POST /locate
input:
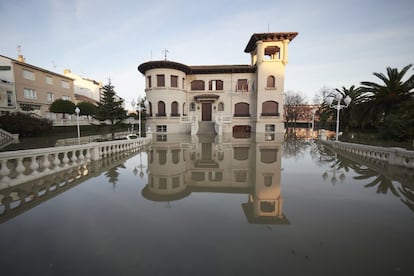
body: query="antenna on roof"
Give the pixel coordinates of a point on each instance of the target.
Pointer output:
(268, 28)
(165, 53)
(53, 64)
(19, 49)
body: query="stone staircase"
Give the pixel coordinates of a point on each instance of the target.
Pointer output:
(206, 128)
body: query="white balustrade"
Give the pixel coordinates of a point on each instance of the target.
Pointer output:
(17, 167)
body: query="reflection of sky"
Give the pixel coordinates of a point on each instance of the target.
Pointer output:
(97, 228)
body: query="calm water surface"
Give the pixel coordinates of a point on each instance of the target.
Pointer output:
(202, 206)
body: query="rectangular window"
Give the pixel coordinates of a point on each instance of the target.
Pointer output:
(242, 85)
(66, 98)
(30, 94)
(160, 80)
(149, 81)
(174, 81)
(270, 128)
(215, 85)
(10, 98)
(50, 97)
(28, 75)
(161, 128)
(49, 80)
(65, 84)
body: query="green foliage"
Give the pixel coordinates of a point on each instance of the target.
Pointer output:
(26, 125)
(62, 106)
(400, 124)
(110, 108)
(87, 108)
(384, 99)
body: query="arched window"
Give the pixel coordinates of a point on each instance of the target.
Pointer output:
(175, 156)
(241, 153)
(162, 157)
(174, 109)
(161, 109)
(220, 106)
(268, 156)
(271, 82)
(241, 110)
(270, 108)
(197, 85)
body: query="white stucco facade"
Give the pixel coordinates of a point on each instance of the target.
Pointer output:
(238, 98)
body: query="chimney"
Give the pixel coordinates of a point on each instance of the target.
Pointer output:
(66, 71)
(21, 58)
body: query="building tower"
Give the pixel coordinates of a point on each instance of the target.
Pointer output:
(269, 54)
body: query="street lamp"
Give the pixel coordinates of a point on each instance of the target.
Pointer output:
(77, 111)
(133, 108)
(139, 116)
(338, 97)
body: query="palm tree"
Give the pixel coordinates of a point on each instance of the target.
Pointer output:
(384, 98)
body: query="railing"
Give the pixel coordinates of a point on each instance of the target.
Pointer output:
(17, 166)
(7, 138)
(393, 156)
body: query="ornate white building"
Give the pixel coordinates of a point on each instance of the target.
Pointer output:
(236, 99)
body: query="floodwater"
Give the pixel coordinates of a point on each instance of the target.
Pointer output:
(209, 206)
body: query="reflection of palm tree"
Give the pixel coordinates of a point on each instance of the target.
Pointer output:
(409, 196)
(384, 183)
(113, 174)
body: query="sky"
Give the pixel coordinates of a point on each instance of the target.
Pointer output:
(340, 43)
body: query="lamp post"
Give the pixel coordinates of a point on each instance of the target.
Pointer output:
(133, 108)
(139, 116)
(77, 111)
(338, 97)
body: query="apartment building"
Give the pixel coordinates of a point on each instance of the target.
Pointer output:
(7, 88)
(35, 88)
(86, 90)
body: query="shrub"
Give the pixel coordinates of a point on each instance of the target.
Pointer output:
(26, 125)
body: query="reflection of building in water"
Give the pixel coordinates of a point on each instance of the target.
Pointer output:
(202, 164)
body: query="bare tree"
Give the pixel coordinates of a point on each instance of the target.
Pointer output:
(293, 101)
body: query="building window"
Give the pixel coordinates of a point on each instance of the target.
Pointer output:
(65, 84)
(160, 80)
(10, 98)
(161, 128)
(174, 81)
(221, 106)
(241, 110)
(49, 80)
(215, 85)
(183, 84)
(240, 176)
(50, 97)
(176, 182)
(241, 153)
(28, 75)
(162, 157)
(66, 98)
(192, 106)
(161, 109)
(149, 84)
(269, 128)
(197, 85)
(174, 109)
(242, 85)
(268, 156)
(267, 180)
(30, 94)
(175, 156)
(271, 82)
(270, 108)
(272, 52)
(150, 108)
(163, 183)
